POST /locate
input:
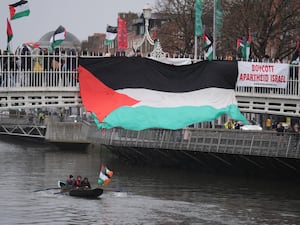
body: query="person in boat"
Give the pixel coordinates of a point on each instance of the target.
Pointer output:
(77, 182)
(85, 183)
(70, 181)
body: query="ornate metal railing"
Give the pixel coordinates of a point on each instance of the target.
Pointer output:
(51, 80)
(60, 70)
(27, 71)
(255, 143)
(224, 141)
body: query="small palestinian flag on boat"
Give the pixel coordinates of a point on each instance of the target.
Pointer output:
(104, 176)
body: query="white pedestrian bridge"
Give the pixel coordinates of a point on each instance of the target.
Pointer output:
(44, 81)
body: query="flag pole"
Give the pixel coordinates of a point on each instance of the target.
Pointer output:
(214, 31)
(196, 47)
(204, 56)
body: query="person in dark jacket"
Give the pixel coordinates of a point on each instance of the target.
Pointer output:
(85, 183)
(280, 129)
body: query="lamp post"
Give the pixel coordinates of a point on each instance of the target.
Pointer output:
(147, 15)
(157, 51)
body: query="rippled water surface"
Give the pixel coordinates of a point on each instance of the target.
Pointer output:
(136, 195)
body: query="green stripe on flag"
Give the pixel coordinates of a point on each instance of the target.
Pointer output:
(126, 117)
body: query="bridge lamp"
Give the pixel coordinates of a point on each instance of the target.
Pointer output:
(147, 10)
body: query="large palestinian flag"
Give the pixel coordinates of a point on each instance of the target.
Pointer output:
(139, 93)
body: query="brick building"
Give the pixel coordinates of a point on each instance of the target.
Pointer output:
(135, 35)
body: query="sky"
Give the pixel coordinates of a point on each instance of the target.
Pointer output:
(82, 18)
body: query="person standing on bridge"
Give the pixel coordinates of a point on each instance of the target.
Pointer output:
(229, 124)
(296, 134)
(41, 118)
(280, 129)
(268, 124)
(280, 132)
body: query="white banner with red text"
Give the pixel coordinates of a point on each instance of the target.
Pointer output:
(257, 74)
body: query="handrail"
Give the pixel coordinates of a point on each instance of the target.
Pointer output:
(256, 143)
(18, 72)
(219, 140)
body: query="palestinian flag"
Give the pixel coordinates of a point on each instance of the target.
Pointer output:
(245, 47)
(19, 9)
(104, 176)
(111, 34)
(208, 44)
(239, 43)
(9, 33)
(139, 93)
(58, 36)
(26, 48)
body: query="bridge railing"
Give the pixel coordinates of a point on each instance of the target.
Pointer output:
(45, 70)
(60, 70)
(223, 141)
(256, 143)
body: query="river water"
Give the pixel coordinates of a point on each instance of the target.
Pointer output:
(136, 195)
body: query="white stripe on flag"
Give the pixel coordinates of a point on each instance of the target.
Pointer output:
(215, 97)
(59, 36)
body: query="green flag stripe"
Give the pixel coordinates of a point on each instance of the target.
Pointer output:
(126, 117)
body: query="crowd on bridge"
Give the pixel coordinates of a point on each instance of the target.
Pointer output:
(281, 128)
(28, 59)
(19, 67)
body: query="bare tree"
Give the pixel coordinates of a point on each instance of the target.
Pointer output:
(177, 35)
(273, 24)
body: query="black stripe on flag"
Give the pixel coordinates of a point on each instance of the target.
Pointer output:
(111, 29)
(135, 72)
(59, 30)
(22, 2)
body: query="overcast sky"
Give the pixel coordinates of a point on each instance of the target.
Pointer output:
(83, 18)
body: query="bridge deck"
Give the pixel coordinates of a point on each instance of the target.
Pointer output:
(258, 143)
(238, 142)
(27, 87)
(24, 85)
